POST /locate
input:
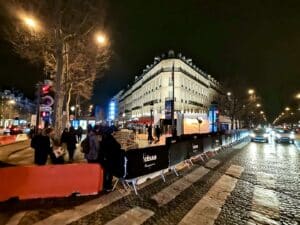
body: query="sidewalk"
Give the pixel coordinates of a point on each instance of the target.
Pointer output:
(142, 140)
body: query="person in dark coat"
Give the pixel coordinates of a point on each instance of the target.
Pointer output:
(150, 137)
(79, 133)
(71, 143)
(41, 145)
(64, 138)
(157, 132)
(109, 147)
(93, 152)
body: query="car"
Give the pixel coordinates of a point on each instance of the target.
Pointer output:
(15, 130)
(284, 136)
(4, 131)
(259, 135)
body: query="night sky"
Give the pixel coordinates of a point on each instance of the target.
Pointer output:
(251, 43)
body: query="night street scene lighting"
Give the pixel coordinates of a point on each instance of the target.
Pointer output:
(149, 112)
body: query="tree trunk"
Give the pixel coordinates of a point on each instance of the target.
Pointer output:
(68, 105)
(59, 92)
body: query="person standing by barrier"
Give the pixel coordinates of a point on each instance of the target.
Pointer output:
(79, 133)
(108, 149)
(64, 139)
(90, 146)
(54, 145)
(71, 143)
(40, 144)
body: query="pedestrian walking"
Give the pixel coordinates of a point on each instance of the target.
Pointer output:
(157, 133)
(79, 133)
(41, 145)
(109, 148)
(64, 139)
(71, 143)
(150, 137)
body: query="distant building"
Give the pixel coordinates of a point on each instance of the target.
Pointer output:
(13, 105)
(151, 93)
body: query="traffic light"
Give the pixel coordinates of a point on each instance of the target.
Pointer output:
(46, 101)
(45, 89)
(46, 98)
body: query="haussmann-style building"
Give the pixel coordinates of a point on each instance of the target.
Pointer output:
(149, 97)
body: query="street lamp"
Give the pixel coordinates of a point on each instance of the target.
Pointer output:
(298, 96)
(200, 120)
(100, 39)
(72, 108)
(11, 102)
(261, 112)
(258, 105)
(30, 22)
(251, 91)
(228, 93)
(287, 109)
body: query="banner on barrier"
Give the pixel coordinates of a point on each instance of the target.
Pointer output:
(146, 160)
(178, 150)
(196, 146)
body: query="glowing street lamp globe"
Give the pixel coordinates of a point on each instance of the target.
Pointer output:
(30, 22)
(251, 91)
(100, 39)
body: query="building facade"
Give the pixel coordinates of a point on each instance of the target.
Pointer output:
(13, 105)
(150, 94)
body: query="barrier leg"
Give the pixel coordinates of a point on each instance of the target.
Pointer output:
(162, 175)
(173, 168)
(133, 183)
(134, 186)
(201, 157)
(115, 184)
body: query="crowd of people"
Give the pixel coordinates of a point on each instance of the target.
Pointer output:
(98, 147)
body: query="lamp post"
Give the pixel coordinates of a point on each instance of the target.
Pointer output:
(174, 132)
(199, 122)
(151, 113)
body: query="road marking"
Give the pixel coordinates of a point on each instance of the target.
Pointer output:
(212, 163)
(134, 216)
(16, 218)
(265, 204)
(173, 190)
(241, 145)
(207, 210)
(234, 171)
(71, 215)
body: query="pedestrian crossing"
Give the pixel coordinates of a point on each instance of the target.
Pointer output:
(204, 211)
(173, 190)
(134, 216)
(265, 205)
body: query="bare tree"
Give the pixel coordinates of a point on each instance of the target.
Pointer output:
(60, 34)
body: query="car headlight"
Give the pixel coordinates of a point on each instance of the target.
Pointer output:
(252, 135)
(278, 135)
(292, 136)
(266, 135)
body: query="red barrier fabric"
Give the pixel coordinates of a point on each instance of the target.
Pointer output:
(28, 182)
(4, 140)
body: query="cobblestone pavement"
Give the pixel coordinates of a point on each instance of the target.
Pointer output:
(255, 184)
